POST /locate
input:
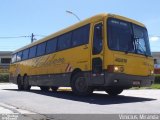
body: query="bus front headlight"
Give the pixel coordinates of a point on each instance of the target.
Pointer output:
(152, 72)
(115, 68)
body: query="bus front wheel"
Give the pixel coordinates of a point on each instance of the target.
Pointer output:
(79, 85)
(114, 91)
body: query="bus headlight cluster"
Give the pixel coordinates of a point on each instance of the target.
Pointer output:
(115, 68)
(118, 69)
(152, 72)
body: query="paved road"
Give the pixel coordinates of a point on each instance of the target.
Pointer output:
(65, 102)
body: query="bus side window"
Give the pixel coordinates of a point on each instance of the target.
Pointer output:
(41, 49)
(51, 46)
(80, 36)
(97, 39)
(19, 56)
(14, 58)
(64, 41)
(25, 54)
(32, 52)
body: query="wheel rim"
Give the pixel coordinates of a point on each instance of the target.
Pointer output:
(80, 84)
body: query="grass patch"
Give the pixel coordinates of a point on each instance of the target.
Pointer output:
(4, 78)
(157, 79)
(155, 86)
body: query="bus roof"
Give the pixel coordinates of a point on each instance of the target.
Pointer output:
(79, 24)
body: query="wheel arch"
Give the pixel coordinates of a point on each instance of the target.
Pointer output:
(75, 71)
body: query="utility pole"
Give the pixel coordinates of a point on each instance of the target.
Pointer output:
(32, 37)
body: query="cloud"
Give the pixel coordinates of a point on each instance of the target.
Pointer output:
(154, 38)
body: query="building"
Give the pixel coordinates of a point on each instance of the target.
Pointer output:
(5, 59)
(156, 56)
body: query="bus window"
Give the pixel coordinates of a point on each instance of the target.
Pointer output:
(25, 54)
(80, 36)
(32, 52)
(19, 56)
(64, 41)
(119, 35)
(41, 49)
(141, 40)
(14, 58)
(97, 40)
(51, 45)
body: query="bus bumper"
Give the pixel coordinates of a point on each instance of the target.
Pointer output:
(127, 81)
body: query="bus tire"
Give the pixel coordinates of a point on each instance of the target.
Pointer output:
(44, 88)
(79, 85)
(54, 89)
(26, 83)
(114, 91)
(20, 83)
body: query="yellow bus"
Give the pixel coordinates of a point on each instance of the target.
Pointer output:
(105, 52)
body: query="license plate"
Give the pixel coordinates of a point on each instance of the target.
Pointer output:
(136, 82)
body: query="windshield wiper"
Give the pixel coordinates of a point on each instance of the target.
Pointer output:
(136, 39)
(132, 47)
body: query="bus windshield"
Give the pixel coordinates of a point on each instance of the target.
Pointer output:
(126, 37)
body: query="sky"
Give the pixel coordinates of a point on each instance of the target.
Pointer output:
(44, 17)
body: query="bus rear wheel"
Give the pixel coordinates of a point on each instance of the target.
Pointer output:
(26, 83)
(79, 85)
(44, 88)
(20, 83)
(114, 91)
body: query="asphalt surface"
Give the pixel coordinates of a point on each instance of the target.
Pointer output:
(65, 102)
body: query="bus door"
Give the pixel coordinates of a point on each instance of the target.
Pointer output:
(97, 76)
